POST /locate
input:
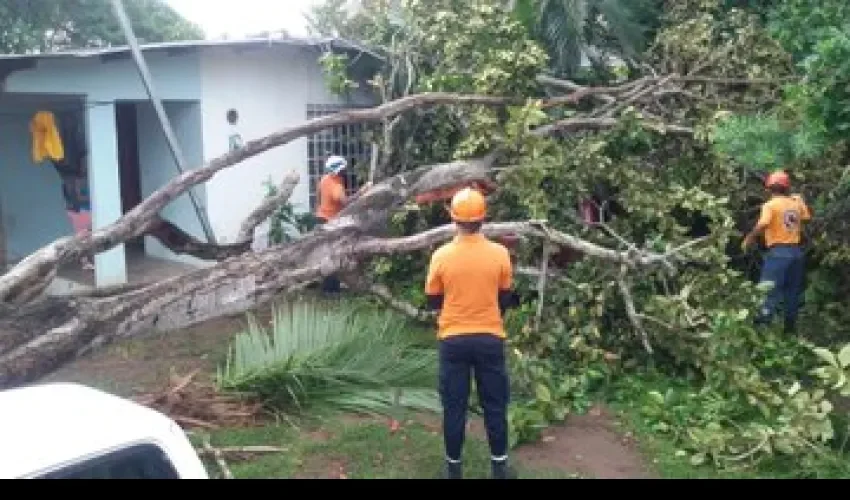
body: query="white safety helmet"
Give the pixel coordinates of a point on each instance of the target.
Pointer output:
(335, 164)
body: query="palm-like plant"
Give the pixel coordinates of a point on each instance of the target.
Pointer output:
(335, 356)
(572, 30)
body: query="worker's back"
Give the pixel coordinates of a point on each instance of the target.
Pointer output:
(784, 216)
(470, 271)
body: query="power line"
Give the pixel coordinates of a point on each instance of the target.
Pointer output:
(173, 145)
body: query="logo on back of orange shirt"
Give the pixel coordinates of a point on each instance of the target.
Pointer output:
(791, 219)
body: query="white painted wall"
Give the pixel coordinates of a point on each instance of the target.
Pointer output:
(270, 87)
(157, 167)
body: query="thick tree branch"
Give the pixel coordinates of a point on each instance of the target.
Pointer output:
(35, 270)
(37, 338)
(183, 243)
(633, 258)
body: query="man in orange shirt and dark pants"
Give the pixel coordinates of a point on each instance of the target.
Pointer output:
(469, 282)
(781, 221)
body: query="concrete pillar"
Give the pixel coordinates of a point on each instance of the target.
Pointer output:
(105, 189)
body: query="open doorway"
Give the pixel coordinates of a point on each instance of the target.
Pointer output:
(128, 161)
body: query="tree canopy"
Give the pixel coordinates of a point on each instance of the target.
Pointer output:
(629, 186)
(42, 26)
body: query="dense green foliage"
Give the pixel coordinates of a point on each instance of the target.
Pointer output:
(28, 26)
(774, 96)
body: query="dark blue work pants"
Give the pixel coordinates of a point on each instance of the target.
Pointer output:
(484, 356)
(330, 284)
(784, 266)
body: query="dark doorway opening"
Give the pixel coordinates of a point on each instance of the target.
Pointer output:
(128, 163)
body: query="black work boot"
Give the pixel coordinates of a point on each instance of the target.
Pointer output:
(452, 470)
(501, 470)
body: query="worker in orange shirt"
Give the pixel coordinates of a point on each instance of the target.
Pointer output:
(781, 221)
(332, 199)
(469, 282)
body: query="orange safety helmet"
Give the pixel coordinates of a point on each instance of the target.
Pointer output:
(468, 205)
(778, 178)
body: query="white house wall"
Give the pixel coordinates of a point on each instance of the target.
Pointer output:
(157, 167)
(101, 82)
(270, 88)
(175, 77)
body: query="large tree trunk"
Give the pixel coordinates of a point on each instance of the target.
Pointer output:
(39, 336)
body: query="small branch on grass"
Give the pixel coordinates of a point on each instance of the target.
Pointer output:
(193, 422)
(242, 450)
(219, 458)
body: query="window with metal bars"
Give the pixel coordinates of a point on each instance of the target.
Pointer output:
(348, 141)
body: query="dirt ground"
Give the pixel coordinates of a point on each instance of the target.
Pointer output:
(588, 445)
(144, 364)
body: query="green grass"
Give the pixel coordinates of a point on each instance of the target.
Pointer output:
(360, 448)
(663, 452)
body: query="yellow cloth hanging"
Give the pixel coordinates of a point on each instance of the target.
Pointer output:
(46, 141)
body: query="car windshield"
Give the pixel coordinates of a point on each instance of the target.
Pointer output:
(144, 461)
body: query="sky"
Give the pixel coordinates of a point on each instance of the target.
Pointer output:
(242, 17)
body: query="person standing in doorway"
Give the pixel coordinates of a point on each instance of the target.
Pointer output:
(470, 283)
(75, 191)
(781, 221)
(68, 158)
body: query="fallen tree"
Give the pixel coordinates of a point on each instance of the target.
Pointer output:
(38, 334)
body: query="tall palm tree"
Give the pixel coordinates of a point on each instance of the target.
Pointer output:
(573, 30)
